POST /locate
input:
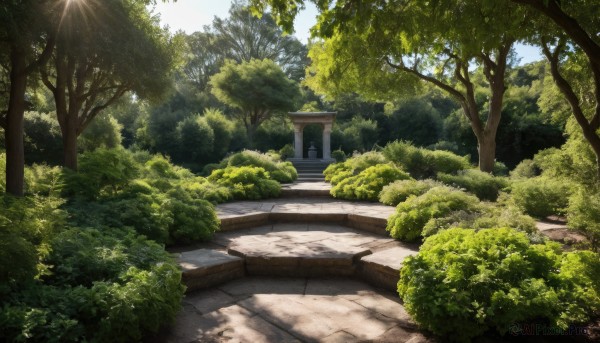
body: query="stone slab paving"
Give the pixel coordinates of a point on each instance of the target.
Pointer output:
(306, 189)
(292, 310)
(558, 231)
(302, 249)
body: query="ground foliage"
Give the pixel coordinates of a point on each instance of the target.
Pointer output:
(465, 282)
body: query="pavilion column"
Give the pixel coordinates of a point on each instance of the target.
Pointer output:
(298, 140)
(327, 141)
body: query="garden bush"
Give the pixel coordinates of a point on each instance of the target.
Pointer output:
(421, 214)
(41, 179)
(464, 282)
(485, 186)
(421, 163)
(193, 219)
(524, 170)
(18, 260)
(368, 183)
(398, 191)
(584, 215)
(336, 172)
(199, 188)
(283, 172)
(541, 196)
(287, 151)
(108, 285)
(333, 170)
(102, 171)
(338, 155)
(251, 183)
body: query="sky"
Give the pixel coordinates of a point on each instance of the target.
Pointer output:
(192, 15)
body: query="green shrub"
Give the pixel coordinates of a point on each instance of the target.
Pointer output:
(500, 169)
(360, 162)
(465, 282)
(422, 163)
(338, 155)
(159, 166)
(484, 185)
(335, 169)
(193, 219)
(427, 210)
(524, 170)
(209, 168)
(35, 218)
(102, 172)
(179, 215)
(41, 179)
(368, 183)
(287, 151)
(541, 196)
(200, 188)
(246, 182)
(584, 214)
(504, 215)
(106, 286)
(399, 191)
(336, 172)
(279, 171)
(18, 260)
(146, 213)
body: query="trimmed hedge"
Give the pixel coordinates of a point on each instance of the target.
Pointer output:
(464, 282)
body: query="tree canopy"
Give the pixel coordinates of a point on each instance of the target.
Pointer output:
(256, 89)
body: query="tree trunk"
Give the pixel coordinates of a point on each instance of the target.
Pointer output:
(250, 131)
(15, 153)
(486, 147)
(69, 136)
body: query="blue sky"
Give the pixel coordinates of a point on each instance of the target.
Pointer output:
(192, 15)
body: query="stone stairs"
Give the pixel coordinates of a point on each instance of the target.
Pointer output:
(306, 235)
(310, 170)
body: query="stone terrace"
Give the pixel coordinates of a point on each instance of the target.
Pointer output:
(304, 267)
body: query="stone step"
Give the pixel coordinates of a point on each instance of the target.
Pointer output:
(301, 250)
(381, 268)
(311, 179)
(203, 268)
(311, 175)
(306, 249)
(310, 171)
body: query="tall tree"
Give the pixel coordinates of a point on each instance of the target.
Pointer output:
(103, 50)
(22, 50)
(257, 89)
(437, 42)
(243, 37)
(572, 47)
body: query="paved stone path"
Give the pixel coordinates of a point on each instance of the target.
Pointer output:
(256, 309)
